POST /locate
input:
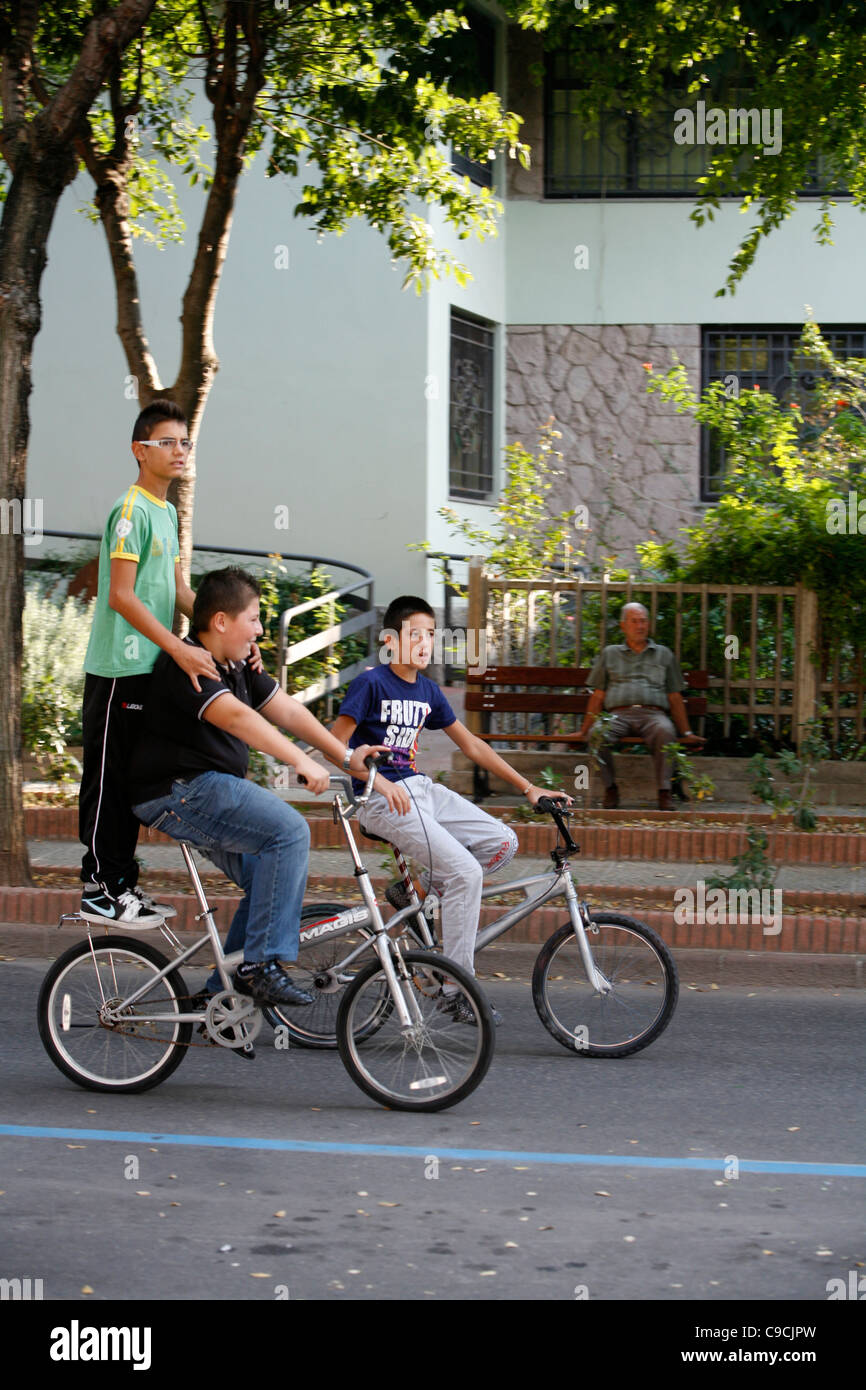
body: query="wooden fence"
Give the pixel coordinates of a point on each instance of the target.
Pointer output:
(760, 643)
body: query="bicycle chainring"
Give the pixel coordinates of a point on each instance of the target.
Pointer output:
(225, 1012)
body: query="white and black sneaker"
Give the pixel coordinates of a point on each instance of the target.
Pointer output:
(164, 909)
(98, 905)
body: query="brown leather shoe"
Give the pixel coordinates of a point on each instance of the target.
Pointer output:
(611, 798)
(666, 801)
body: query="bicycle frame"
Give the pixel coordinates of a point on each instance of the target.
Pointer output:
(558, 884)
(370, 922)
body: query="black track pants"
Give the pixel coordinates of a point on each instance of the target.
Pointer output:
(113, 719)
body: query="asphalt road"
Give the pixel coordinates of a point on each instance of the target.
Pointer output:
(741, 1074)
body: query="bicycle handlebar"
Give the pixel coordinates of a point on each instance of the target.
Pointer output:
(372, 762)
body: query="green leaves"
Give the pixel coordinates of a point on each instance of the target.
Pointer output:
(791, 464)
(527, 540)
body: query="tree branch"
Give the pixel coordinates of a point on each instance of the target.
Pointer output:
(110, 175)
(15, 75)
(110, 33)
(198, 356)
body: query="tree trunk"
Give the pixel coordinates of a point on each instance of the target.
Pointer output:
(27, 218)
(42, 158)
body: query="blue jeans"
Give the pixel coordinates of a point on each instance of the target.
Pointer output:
(258, 841)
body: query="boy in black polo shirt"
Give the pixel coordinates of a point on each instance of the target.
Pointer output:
(188, 778)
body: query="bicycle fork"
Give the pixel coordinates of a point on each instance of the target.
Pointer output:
(576, 913)
(382, 943)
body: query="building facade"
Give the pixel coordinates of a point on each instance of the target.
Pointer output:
(358, 410)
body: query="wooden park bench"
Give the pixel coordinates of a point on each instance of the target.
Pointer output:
(552, 691)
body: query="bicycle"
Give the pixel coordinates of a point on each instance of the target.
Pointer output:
(104, 1027)
(603, 985)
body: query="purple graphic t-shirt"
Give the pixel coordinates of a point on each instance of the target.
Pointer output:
(392, 711)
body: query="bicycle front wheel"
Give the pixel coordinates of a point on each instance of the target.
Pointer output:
(444, 1052)
(129, 1053)
(644, 987)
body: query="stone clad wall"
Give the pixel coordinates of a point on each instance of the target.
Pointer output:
(627, 455)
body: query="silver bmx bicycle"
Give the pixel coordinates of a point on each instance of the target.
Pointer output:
(413, 1029)
(603, 985)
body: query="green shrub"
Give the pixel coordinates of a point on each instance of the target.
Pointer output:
(55, 632)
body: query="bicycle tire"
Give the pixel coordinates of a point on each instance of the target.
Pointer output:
(623, 1022)
(411, 1082)
(315, 1026)
(69, 1023)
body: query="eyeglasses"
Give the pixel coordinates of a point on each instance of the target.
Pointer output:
(167, 444)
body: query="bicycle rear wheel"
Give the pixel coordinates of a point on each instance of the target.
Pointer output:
(132, 1053)
(437, 1061)
(638, 966)
(318, 972)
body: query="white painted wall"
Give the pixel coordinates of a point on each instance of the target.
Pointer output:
(648, 263)
(318, 403)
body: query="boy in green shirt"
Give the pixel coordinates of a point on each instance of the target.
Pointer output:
(140, 585)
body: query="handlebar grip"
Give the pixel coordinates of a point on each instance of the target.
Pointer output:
(551, 806)
(302, 781)
(378, 759)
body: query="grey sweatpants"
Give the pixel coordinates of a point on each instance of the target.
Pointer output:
(456, 843)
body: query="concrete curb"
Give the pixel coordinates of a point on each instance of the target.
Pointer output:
(698, 969)
(800, 931)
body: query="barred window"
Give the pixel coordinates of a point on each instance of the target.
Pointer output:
(471, 407)
(746, 357)
(635, 156)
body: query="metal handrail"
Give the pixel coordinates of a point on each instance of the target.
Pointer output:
(365, 618)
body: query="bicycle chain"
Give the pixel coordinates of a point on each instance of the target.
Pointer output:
(162, 1042)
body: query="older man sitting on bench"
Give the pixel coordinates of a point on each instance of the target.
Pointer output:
(640, 683)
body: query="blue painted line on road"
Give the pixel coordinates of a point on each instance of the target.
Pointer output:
(321, 1146)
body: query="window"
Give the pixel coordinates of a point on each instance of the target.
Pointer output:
(471, 408)
(632, 156)
(747, 357)
(473, 59)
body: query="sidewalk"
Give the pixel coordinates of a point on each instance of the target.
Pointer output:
(817, 878)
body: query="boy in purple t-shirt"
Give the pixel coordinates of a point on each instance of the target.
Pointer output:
(459, 842)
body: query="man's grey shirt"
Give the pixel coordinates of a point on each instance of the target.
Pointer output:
(636, 678)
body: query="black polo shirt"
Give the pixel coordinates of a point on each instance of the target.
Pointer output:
(177, 741)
